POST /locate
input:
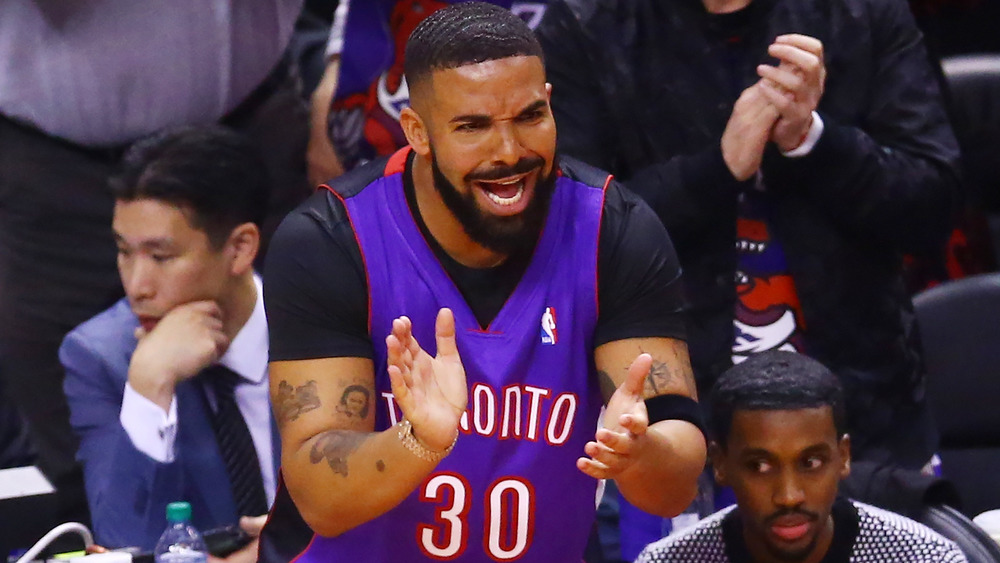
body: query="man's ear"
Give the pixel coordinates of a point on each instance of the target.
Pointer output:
(717, 454)
(242, 246)
(415, 130)
(844, 448)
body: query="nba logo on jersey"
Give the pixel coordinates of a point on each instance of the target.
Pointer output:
(549, 335)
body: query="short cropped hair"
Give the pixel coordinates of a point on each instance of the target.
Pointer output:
(775, 380)
(466, 33)
(216, 173)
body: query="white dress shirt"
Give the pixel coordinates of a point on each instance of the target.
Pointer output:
(153, 431)
(812, 137)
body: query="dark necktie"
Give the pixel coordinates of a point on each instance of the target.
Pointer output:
(235, 443)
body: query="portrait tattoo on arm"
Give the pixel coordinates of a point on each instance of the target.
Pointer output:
(335, 446)
(291, 402)
(354, 402)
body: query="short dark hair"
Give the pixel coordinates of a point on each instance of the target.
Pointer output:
(775, 380)
(466, 33)
(215, 172)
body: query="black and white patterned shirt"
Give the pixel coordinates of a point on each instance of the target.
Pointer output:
(862, 534)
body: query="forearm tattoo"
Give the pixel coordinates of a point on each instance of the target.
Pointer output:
(658, 380)
(291, 402)
(335, 446)
(672, 377)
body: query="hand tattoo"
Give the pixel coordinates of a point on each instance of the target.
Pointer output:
(291, 402)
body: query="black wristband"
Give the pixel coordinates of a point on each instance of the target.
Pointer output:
(675, 407)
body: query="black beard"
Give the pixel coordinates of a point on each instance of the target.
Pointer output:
(504, 235)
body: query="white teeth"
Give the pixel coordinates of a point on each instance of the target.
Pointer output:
(507, 200)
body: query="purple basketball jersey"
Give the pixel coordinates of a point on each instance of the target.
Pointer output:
(510, 490)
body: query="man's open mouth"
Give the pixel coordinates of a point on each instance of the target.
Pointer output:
(504, 193)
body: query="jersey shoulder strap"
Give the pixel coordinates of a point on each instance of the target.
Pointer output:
(580, 171)
(351, 183)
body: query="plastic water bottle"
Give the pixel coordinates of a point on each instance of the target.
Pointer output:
(180, 542)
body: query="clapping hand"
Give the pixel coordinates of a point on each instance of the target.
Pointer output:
(794, 87)
(431, 391)
(621, 442)
(747, 132)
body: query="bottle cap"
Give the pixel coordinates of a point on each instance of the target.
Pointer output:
(178, 512)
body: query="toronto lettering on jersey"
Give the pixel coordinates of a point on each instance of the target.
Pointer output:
(516, 412)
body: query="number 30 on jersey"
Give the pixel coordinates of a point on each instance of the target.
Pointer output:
(509, 517)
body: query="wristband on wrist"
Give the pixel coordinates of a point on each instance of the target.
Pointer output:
(675, 407)
(418, 448)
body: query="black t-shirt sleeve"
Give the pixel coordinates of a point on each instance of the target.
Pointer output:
(315, 289)
(639, 285)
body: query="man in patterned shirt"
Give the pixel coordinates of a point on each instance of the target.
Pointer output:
(780, 444)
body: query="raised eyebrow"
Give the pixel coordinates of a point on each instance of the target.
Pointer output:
(472, 119)
(480, 119)
(533, 107)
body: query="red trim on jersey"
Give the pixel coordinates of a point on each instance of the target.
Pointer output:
(483, 330)
(397, 162)
(306, 550)
(597, 268)
(361, 249)
(607, 182)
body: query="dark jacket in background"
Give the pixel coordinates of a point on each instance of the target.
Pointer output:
(16, 449)
(644, 88)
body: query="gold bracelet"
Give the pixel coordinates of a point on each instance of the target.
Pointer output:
(412, 443)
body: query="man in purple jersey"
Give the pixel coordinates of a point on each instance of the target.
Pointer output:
(538, 291)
